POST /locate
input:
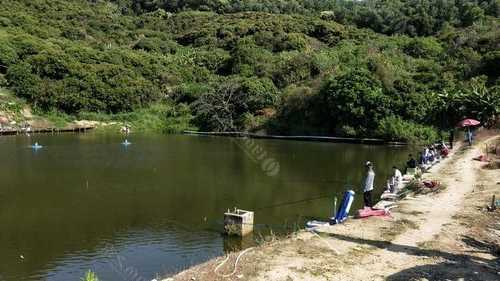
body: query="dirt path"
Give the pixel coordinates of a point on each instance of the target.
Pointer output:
(437, 211)
(428, 238)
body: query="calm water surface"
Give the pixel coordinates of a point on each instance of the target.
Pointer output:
(155, 207)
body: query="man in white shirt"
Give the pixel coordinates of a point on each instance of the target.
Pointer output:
(427, 155)
(395, 184)
(368, 184)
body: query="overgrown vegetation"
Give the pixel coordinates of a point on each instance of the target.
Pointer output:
(11, 107)
(290, 67)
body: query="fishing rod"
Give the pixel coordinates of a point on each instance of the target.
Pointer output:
(292, 202)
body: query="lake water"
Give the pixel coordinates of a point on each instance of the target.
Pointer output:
(156, 206)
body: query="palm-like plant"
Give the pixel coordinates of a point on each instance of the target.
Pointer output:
(481, 102)
(472, 99)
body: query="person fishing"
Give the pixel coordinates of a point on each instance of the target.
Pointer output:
(411, 164)
(395, 183)
(429, 158)
(451, 138)
(368, 184)
(421, 159)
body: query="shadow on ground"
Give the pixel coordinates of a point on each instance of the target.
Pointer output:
(455, 267)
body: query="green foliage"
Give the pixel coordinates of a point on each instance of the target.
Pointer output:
(477, 100)
(490, 62)
(412, 17)
(11, 105)
(301, 112)
(293, 68)
(90, 276)
(60, 120)
(8, 55)
(156, 45)
(161, 117)
(397, 129)
(249, 60)
(424, 48)
(308, 67)
(357, 100)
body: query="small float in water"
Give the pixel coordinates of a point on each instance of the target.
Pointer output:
(36, 146)
(126, 143)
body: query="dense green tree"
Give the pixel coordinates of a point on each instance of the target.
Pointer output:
(357, 100)
(355, 68)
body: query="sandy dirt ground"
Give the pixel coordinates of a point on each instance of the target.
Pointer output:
(444, 235)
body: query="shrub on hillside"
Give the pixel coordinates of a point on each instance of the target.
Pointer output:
(396, 129)
(294, 67)
(156, 45)
(423, 48)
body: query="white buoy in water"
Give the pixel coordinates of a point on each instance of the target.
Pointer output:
(126, 143)
(36, 146)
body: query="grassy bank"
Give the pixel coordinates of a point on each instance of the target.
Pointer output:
(158, 118)
(161, 117)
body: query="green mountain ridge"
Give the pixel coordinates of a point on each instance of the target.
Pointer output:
(285, 71)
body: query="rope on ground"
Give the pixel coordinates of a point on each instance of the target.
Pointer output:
(326, 242)
(235, 264)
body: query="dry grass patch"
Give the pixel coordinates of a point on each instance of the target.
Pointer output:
(396, 228)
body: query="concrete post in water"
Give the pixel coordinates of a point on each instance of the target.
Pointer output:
(238, 222)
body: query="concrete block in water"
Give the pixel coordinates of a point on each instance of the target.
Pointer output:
(238, 222)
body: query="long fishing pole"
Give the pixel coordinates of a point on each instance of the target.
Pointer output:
(292, 202)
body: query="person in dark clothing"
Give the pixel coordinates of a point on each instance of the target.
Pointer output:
(451, 139)
(367, 198)
(412, 163)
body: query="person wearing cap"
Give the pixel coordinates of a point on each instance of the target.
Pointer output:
(368, 184)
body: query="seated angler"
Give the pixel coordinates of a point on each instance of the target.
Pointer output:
(411, 165)
(395, 183)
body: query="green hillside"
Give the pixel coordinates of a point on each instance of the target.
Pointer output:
(391, 69)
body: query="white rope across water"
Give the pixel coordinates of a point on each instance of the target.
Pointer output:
(235, 264)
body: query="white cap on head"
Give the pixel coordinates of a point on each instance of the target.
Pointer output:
(368, 164)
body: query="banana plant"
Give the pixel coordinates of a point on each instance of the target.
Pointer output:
(482, 102)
